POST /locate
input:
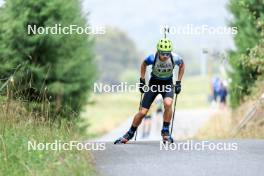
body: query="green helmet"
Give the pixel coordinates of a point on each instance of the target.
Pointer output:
(164, 45)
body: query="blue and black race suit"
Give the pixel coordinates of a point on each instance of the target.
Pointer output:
(161, 77)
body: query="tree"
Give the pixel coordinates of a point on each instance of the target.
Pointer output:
(116, 54)
(59, 66)
(249, 18)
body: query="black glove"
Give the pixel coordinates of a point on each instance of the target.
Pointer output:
(178, 87)
(141, 85)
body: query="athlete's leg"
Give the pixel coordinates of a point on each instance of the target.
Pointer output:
(136, 122)
(167, 102)
(146, 103)
(168, 109)
(139, 116)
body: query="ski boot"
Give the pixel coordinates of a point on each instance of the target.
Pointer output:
(123, 140)
(166, 136)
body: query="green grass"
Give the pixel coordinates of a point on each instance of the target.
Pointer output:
(195, 91)
(106, 111)
(18, 127)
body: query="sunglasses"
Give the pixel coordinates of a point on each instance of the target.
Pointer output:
(165, 54)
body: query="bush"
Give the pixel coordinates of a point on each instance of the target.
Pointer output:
(55, 68)
(246, 60)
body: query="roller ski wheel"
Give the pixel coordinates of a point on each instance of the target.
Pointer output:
(167, 139)
(121, 141)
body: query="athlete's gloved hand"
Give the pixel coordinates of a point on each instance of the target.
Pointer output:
(141, 85)
(178, 87)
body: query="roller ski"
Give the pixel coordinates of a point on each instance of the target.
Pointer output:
(125, 138)
(166, 137)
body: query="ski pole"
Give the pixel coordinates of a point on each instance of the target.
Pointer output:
(139, 109)
(173, 112)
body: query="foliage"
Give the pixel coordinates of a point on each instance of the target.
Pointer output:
(247, 58)
(58, 68)
(116, 54)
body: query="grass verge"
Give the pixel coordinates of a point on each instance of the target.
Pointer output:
(17, 127)
(223, 123)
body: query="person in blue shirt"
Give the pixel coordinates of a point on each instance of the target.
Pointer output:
(216, 88)
(161, 82)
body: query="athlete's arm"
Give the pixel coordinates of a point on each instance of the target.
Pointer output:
(147, 61)
(143, 70)
(181, 71)
(179, 61)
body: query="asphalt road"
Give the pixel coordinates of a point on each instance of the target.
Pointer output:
(146, 158)
(186, 125)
